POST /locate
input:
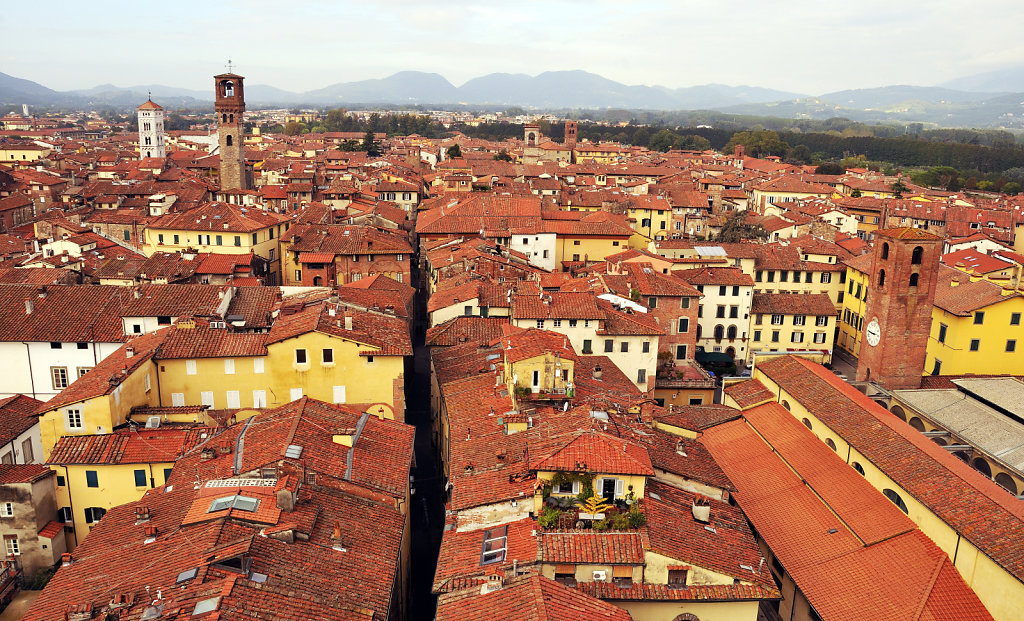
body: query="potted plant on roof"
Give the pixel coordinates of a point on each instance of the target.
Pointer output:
(593, 508)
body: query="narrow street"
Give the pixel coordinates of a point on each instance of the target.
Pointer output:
(427, 507)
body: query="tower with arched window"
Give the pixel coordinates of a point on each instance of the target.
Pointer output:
(230, 108)
(898, 318)
(151, 130)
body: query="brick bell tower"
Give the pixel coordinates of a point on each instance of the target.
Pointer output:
(898, 318)
(230, 108)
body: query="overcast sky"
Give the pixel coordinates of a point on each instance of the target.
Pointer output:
(796, 45)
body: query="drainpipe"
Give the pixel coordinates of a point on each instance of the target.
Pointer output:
(31, 376)
(71, 502)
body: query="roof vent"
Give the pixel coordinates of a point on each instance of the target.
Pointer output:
(152, 422)
(336, 538)
(494, 583)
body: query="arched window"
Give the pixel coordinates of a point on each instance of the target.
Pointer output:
(730, 351)
(915, 257)
(224, 118)
(916, 423)
(859, 468)
(982, 466)
(231, 118)
(896, 500)
(831, 444)
(885, 251)
(806, 422)
(229, 88)
(719, 332)
(881, 278)
(229, 140)
(898, 411)
(1006, 482)
(698, 330)
(913, 280)
(731, 333)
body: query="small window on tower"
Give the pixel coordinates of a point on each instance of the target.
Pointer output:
(228, 141)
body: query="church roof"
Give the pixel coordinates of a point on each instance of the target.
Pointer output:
(149, 105)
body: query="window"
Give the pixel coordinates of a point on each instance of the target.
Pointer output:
(300, 356)
(27, 454)
(257, 365)
(175, 239)
(177, 399)
(140, 478)
(942, 332)
(641, 376)
(796, 277)
(295, 394)
(881, 278)
(797, 337)
(327, 356)
(298, 274)
(190, 367)
(736, 290)
(540, 324)
(573, 322)
(1011, 345)
(238, 240)
(259, 398)
(646, 347)
(775, 336)
(825, 277)
(819, 337)
(896, 499)
(59, 377)
(11, 543)
(234, 399)
(730, 333)
(975, 344)
(7, 509)
(74, 420)
(684, 324)
(243, 503)
(915, 257)
(913, 280)
(256, 238)
(680, 352)
(720, 313)
(557, 323)
(229, 366)
(685, 303)
(1014, 319)
(56, 345)
(734, 312)
(338, 394)
(721, 289)
(587, 347)
(719, 332)
(565, 574)
(677, 577)
(652, 302)
(771, 276)
(783, 276)
(799, 320)
(609, 345)
(979, 318)
(567, 487)
(776, 320)
(757, 335)
(369, 360)
(624, 346)
(885, 251)
(204, 240)
(91, 478)
(937, 367)
(493, 549)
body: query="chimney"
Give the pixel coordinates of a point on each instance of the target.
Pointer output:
(597, 372)
(141, 513)
(129, 351)
(336, 538)
(225, 447)
(701, 509)
(29, 306)
(285, 500)
(208, 453)
(150, 530)
(65, 559)
(348, 322)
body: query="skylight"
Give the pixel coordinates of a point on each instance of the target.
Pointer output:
(494, 545)
(293, 451)
(188, 574)
(206, 605)
(243, 503)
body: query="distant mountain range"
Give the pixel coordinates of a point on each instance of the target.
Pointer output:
(994, 99)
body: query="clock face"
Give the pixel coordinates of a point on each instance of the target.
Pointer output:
(873, 332)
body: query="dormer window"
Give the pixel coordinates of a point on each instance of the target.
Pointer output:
(243, 503)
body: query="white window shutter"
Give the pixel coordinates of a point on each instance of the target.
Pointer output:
(339, 394)
(177, 399)
(598, 486)
(229, 366)
(206, 398)
(619, 485)
(257, 365)
(259, 398)
(234, 400)
(296, 394)
(190, 367)
(575, 487)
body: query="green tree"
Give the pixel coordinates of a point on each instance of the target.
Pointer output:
(829, 168)
(692, 142)
(898, 187)
(1013, 187)
(800, 153)
(349, 145)
(757, 143)
(293, 128)
(737, 229)
(454, 151)
(663, 140)
(370, 145)
(503, 156)
(855, 193)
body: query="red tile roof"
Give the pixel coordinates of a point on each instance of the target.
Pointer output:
(22, 473)
(526, 598)
(977, 508)
(589, 547)
(814, 304)
(17, 415)
(126, 446)
(598, 452)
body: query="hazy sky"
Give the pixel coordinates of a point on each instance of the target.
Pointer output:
(803, 46)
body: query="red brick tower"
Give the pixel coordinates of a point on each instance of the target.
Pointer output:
(904, 270)
(570, 134)
(230, 107)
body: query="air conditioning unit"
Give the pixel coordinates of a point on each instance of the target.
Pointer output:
(600, 576)
(152, 422)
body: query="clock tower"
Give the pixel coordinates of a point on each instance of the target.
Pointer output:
(904, 270)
